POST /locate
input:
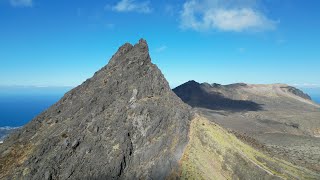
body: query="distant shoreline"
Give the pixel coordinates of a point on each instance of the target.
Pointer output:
(5, 131)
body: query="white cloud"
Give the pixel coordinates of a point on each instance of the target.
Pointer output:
(161, 49)
(204, 15)
(132, 6)
(21, 3)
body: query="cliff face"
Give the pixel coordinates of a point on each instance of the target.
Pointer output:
(123, 123)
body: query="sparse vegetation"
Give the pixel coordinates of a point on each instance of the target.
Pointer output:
(13, 157)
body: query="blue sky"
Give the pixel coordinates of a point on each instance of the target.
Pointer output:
(62, 43)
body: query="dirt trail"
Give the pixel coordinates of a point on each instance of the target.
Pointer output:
(261, 167)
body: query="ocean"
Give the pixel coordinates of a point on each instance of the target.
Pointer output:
(20, 104)
(316, 99)
(17, 110)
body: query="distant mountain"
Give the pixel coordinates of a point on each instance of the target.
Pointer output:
(278, 117)
(199, 95)
(237, 96)
(126, 123)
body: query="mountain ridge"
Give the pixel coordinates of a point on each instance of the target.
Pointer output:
(275, 87)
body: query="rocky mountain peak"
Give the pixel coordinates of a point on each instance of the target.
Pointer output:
(143, 44)
(137, 53)
(123, 123)
(123, 49)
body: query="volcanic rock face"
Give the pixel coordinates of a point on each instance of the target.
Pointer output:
(123, 123)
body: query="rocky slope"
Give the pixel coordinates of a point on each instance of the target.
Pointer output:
(123, 123)
(276, 118)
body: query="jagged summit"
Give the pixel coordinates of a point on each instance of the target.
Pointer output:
(123, 123)
(140, 48)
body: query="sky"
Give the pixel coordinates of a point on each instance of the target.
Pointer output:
(62, 43)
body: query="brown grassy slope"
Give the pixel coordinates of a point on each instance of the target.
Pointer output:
(214, 153)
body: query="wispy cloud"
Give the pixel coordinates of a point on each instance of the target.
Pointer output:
(232, 15)
(21, 3)
(132, 6)
(161, 48)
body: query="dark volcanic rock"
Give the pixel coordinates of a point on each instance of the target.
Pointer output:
(123, 123)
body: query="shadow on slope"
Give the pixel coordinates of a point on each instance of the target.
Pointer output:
(195, 95)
